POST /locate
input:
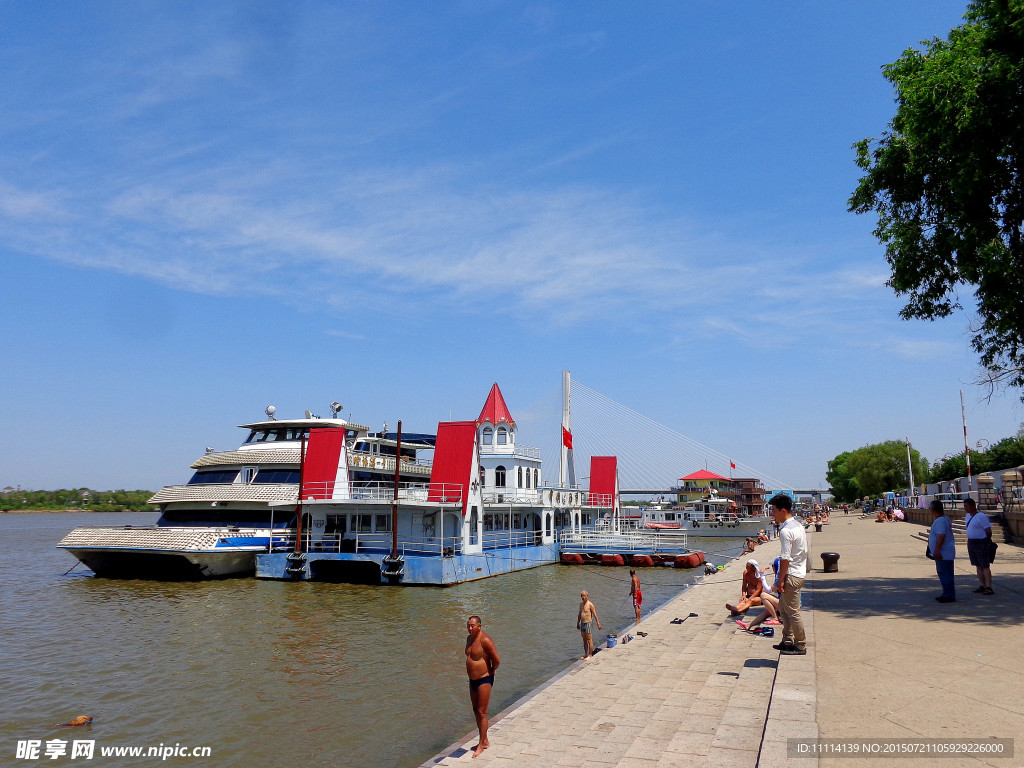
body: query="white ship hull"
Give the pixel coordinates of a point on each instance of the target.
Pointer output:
(166, 552)
(713, 529)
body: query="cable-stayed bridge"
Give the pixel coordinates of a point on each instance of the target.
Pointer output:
(651, 456)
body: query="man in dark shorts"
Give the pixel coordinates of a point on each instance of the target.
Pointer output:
(979, 538)
(481, 662)
(635, 593)
(585, 620)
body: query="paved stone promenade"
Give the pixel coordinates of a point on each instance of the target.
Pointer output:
(884, 661)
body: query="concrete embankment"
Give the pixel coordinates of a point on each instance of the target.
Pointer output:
(884, 661)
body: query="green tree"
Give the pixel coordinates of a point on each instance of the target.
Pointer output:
(946, 181)
(872, 469)
(840, 478)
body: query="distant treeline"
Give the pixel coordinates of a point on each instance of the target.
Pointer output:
(77, 498)
(1007, 453)
(873, 469)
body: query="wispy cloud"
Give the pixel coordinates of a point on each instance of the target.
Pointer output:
(564, 255)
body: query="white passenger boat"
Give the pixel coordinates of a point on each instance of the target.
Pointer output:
(230, 509)
(326, 499)
(712, 516)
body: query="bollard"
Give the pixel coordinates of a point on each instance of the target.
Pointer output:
(831, 561)
(817, 527)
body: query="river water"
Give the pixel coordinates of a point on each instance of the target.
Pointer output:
(274, 673)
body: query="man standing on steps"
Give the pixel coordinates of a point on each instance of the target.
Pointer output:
(790, 578)
(635, 592)
(585, 620)
(481, 662)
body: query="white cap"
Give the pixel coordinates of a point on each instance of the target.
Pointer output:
(752, 562)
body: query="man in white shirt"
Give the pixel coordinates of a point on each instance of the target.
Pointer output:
(791, 575)
(979, 538)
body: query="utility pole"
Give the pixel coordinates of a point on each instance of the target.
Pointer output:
(910, 468)
(967, 448)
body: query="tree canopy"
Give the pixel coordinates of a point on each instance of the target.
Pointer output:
(872, 469)
(76, 498)
(945, 181)
(1007, 453)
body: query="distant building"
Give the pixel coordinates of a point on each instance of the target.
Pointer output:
(750, 495)
(700, 484)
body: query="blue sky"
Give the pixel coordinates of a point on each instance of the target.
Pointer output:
(206, 208)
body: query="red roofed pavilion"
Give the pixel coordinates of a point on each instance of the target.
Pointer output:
(495, 411)
(699, 484)
(703, 474)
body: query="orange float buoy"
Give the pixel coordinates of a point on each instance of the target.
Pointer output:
(571, 558)
(612, 560)
(642, 561)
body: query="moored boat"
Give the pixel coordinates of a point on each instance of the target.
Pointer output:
(231, 508)
(712, 516)
(327, 499)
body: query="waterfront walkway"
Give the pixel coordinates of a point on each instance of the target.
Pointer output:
(884, 661)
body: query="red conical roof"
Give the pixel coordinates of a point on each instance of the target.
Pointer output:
(703, 474)
(495, 411)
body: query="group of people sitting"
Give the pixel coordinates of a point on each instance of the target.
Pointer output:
(889, 515)
(757, 590)
(763, 536)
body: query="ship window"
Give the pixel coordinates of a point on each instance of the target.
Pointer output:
(361, 523)
(499, 476)
(383, 522)
(527, 477)
(519, 477)
(214, 476)
(536, 478)
(502, 436)
(670, 515)
(488, 435)
(257, 436)
(277, 476)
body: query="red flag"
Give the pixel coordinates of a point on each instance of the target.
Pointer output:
(732, 464)
(566, 438)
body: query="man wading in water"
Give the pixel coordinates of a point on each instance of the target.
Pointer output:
(481, 662)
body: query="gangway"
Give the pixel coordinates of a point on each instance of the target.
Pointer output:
(622, 542)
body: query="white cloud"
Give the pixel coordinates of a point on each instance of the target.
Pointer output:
(559, 255)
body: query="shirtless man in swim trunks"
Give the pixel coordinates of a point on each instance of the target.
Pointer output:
(635, 593)
(585, 620)
(751, 589)
(481, 661)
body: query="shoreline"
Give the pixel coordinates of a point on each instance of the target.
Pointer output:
(459, 749)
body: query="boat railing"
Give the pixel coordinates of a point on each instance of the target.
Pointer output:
(510, 539)
(622, 541)
(367, 543)
(701, 516)
(375, 542)
(382, 490)
(494, 495)
(367, 460)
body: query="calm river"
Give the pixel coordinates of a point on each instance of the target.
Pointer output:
(272, 673)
